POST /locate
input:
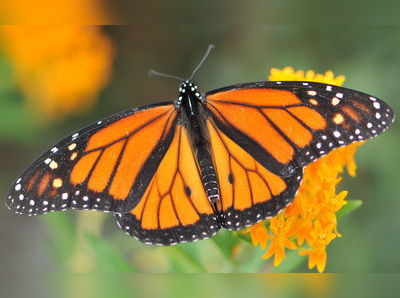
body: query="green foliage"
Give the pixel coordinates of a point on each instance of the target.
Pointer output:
(63, 236)
(107, 257)
(16, 122)
(184, 258)
(226, 252)
(351, 206)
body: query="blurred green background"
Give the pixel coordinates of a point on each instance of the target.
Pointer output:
(358, 39)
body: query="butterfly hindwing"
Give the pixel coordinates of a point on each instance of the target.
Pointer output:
(97, 167)
(174, 207)
(249, 192)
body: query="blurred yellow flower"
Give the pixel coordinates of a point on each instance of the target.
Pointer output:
(46, 12)
(60, 69)
(310, 223)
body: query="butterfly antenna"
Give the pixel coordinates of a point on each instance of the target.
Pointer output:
(209, 49)
(153, 73)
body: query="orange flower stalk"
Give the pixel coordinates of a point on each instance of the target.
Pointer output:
(310, 223)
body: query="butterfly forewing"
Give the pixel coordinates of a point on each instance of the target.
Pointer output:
(263, 134)
(297, 122)
(97, 167)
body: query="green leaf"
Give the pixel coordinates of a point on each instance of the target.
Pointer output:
(108, 259)
(349, 207)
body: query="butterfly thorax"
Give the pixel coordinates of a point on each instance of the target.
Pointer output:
(188, 97)
(190, 106)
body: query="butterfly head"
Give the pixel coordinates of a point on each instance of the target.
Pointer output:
(188, 93)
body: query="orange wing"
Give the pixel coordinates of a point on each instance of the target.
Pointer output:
(174, 207)
(264, 133)
(294, 123)
(249, 192)
(270, 119)
(103, 167)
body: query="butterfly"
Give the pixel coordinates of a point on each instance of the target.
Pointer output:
(179, 171)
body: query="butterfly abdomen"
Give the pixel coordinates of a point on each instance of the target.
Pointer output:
(205, 162)
(208, 176)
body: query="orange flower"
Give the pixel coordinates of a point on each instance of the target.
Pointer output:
(259, 235)
(310, 223)
(60, 69)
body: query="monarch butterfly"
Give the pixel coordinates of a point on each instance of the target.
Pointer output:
(179, 171)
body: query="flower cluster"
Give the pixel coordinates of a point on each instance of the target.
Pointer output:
(60, 69)
(310, 223)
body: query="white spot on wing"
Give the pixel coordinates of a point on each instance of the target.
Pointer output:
(335, 101)
(53, 165)
(312, 92)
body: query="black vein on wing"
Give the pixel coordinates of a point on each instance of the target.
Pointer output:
(128, 136)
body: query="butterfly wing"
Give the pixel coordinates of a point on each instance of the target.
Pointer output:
(249, 190)
(104, 166)
(174, 207)
(277, 128)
